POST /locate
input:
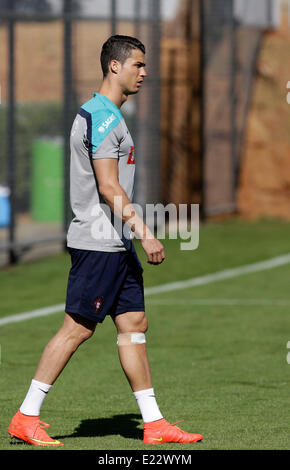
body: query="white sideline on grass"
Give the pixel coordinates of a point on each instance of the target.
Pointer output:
(171, 286)
(221, 302)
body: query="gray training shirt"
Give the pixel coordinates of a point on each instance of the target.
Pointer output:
(99, 131)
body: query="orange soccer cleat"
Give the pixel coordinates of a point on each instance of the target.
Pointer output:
(30, 429)
(159, 432)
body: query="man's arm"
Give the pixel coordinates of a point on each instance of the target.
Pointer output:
(106, 170)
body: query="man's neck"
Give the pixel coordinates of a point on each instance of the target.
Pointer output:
(112, 93)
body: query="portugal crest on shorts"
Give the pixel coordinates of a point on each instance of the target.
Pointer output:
(98, 303)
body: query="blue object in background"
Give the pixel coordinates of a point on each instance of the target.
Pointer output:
(4, 206)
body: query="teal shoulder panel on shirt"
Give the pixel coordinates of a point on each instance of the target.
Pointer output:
(105, 116)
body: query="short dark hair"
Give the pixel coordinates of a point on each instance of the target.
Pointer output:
(118, 48)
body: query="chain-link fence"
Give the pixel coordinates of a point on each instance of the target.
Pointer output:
(188, 122)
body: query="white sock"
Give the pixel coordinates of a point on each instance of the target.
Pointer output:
(148, 405)
(34, 398)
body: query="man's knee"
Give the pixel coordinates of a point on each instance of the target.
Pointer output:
(131, 322)
(84, 335)
(131, 328)
(139, 323)
(144, 325)
(77, 329)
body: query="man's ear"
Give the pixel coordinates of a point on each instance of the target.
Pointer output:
(114, 66)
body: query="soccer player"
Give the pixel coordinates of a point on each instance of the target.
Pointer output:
(106, 276)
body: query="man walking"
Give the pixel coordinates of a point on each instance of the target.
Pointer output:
(106, 275)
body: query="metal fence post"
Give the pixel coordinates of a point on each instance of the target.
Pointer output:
(202, 107)
(113, 17)
(11, 135)
(155, 15)
(135, 122)
(234, 68)
(67, 87)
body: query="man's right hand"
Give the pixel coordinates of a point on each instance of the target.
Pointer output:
(154, 250)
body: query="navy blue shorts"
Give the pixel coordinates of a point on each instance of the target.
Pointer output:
(102, 283)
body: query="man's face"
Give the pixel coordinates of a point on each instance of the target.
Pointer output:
(132, 73)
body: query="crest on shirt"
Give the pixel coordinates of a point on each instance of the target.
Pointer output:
(98, 303)
(131, 159)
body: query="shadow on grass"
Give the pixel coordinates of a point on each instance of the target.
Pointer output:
(120, 425)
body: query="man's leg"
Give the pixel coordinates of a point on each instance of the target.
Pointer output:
(74, 331)
(25, 424)
(133, 357)
(134, 361)
(135, 364)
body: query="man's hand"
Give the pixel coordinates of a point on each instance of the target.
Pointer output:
(154, 250)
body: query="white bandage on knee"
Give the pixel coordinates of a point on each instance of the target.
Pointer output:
(127, 339)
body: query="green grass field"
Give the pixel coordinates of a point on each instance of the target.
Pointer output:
(217, 352)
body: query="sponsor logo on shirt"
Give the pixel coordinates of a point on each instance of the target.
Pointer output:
(107, 123)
